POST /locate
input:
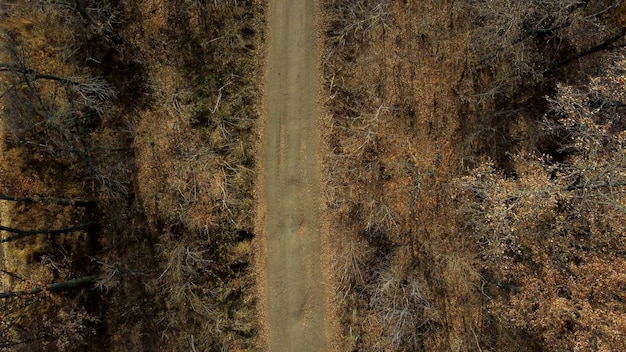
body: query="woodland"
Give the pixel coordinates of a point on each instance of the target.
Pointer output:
(474, 173)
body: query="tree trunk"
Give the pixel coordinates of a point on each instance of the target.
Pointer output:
(605, 45)
(57, 286)
(34, 74)
(42, 199)
(25, 233)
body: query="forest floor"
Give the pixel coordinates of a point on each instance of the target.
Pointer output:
(290, 219)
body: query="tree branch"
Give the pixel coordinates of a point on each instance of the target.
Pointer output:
(25, 233)
(36, 75)
(13, 275)
(606, 45)
(43, 199)
(57, 286)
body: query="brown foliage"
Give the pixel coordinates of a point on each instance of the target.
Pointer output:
(391, 131)
(418, 93)
(557, 229)
(194, 145)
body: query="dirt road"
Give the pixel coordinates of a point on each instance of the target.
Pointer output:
(291, 183)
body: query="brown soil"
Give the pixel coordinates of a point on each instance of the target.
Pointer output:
(290, 219)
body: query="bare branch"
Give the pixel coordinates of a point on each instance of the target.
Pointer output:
(57, 286)
(25, 233)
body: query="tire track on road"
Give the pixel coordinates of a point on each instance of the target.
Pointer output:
(290, 197)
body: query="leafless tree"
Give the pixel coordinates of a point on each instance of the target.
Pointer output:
(51, 111)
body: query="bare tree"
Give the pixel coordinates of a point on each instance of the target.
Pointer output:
(75, 202)
(56, 112)
(524, 41)
(22, 327)
(556, 229)
(50, 111)
(20, 233)
(56, 286)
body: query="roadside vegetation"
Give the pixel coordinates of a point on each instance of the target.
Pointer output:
(474, 174)
(127, 174)
(475, 167)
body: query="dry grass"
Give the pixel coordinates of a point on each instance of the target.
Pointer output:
(396, 131)
(194, 148)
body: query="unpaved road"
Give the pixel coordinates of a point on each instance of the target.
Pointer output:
(291, 183)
